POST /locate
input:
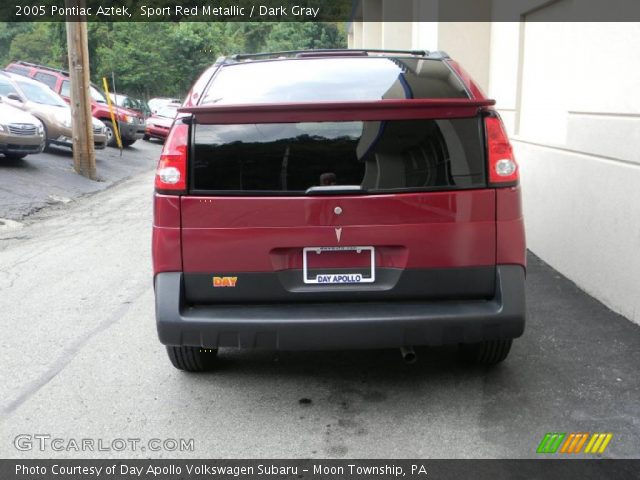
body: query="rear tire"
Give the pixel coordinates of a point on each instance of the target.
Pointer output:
(489, 352)
(193, 359)
(146, 137)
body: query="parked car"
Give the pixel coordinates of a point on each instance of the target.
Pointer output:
(155, 103)
(351, 199)
(130, 124)
(20, 132)
(136, 104)
(48, 107)
(158, 125)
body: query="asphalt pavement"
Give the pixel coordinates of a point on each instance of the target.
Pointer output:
(48, 179)
(80, 359)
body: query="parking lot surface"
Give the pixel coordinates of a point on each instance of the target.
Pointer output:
(47, 179)
(80, 359)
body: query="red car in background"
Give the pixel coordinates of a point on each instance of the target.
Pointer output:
(159, 124)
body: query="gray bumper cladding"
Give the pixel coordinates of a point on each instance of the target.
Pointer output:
(306, 326)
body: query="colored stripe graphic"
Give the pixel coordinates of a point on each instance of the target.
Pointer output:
(598, 443)
(581, 443)
(550, 442)
(572, 443)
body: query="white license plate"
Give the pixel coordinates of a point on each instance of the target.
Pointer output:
(358, 275)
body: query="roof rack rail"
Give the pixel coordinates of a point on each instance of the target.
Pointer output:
(439, 54)
(325, 52)
(44, 67)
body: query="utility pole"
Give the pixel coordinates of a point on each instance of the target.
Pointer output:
(84, 156)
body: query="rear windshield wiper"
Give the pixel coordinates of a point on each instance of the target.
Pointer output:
(334, 190)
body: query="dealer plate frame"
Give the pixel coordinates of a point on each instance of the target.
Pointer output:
(319, 250)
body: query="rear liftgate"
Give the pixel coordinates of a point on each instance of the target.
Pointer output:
(349, 201)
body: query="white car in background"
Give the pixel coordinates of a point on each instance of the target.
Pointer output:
(156, 103)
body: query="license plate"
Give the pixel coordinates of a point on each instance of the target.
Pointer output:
(324, 273)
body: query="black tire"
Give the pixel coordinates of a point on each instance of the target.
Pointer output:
(111, 136)
(146, 137)
(193, 359)
(46, 138)
(128, 143)
(489, 352)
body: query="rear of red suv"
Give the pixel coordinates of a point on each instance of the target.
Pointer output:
(332, 200)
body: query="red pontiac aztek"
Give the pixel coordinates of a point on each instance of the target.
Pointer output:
(333, 200)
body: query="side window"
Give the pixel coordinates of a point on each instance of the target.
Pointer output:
(46, 78)
(65, 89)
(6, 88)
(19, 70)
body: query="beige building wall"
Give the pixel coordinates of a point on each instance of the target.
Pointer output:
(569, 95)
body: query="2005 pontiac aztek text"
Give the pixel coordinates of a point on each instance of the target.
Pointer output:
(337, 199)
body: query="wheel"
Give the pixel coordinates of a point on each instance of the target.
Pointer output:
(489, 352)
(146, 137)
(192, 359)
(111, 136)
(128, 143)
(46, 138)
(14, 156)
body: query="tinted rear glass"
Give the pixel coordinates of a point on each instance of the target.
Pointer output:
(335, 79)
(46, 78)
(378, 156)
(24, 71)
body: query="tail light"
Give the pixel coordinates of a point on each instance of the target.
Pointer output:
(171, 175)
(503, 169)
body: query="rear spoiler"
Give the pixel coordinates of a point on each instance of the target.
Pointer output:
(405, 109)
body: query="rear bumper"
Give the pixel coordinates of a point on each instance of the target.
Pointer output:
(341, 325)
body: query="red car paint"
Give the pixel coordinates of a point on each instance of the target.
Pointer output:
(339, 111)
(156, 131)
(431, 224)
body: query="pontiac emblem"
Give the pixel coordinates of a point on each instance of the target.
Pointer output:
(338, 233)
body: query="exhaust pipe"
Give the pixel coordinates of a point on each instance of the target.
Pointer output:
(408, 355)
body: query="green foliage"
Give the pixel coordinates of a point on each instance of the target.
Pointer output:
(8, 31)
(161, 58)
(32, 42)
(307, 35)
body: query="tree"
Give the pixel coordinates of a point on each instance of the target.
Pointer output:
(304, 35)
(39, 45)
(162, 58)
(8, 31)
(138, 55)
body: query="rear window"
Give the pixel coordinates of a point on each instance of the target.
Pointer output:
(46, 78)
(24, 71)
(377, 156)
(336, 79)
